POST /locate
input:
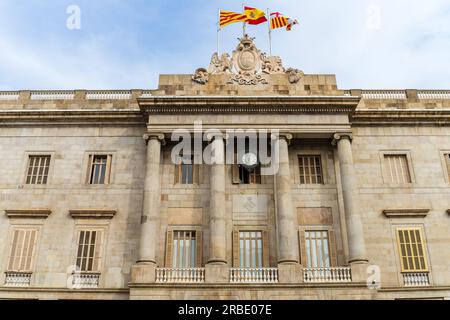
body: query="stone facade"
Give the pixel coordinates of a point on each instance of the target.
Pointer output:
(351, 130)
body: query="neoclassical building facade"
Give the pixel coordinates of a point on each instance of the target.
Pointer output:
(93, 205)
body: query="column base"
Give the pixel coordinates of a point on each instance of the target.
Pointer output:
(290, 273)
(359, 271)
(143, 272)
(217, 273)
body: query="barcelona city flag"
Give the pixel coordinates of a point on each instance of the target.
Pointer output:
(278, 20)
(255, 16)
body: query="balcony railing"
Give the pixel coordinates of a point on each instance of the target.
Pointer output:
(189, 275)
(85, 280)
(52, 95)
(416, 279)
(255, 275)
(9, 95)
(433, 94)
(109, 95)
(327, 275)
(384, 94)
(18, 279)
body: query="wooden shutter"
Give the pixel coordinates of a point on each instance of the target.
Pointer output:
(169, 249)
(97, 251)
(235, 170)
(236, 263)
(266, 249)
(196, 174)
(302, 240)
(447, 161)
(199, 249)
(332, 244)
(22, 250)
(89, 169)
(177, 175)
(108, 169)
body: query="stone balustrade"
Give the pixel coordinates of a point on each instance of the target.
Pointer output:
(433, 94)
(9, 95)
(52, 95)
(109, 95)
(18, 279)
(85, 280)
(327, 275)
(188, 275)
(416, 279)
(254, 275)
(384, 94)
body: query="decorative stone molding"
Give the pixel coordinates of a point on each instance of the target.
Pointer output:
(156, 136)
(201, 76)
(28, 214)
(294, 75)
(92, 214)
(339, 136)
(406, 213)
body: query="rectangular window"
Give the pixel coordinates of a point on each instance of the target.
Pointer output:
(310, 169)
(397, 169)
(184, 254)
(99, 169)
(38, 168)
(412, 250)
(317, 245)
(249, 176)
(89, 250)
(23, 246)
(187, 172)
(250, 249)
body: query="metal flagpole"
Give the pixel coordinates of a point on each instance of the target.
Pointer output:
(218, 33)
(270, 31)
(245, 23)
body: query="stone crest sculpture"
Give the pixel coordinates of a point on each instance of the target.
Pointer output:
(247, 66)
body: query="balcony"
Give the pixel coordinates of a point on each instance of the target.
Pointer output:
(85, 280)
(327, 275)
(189, 275)
(416, 279)
(18, 279)
(254, 276)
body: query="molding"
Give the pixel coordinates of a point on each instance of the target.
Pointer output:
(154, 136)
(28, 214)
(92, 214)
(406, 213)
(402, 116)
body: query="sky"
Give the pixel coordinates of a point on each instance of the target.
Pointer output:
(126, 44)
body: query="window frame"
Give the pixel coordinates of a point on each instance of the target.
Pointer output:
(22, 227)
(445, 159)
(265, 237)
(97, 246)
(196, 173)
(322, 175)
(421, 230)
(332, 242)
(25, 168)
(168, 257)
(385, 171)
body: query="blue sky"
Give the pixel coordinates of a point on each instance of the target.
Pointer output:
(128, 43)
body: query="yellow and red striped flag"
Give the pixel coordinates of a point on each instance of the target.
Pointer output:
(278, 20)
(229, 17)
(255, 16)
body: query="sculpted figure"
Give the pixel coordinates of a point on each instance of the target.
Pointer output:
(272, 64)
(220, 65)
(201, 76)
(295, 75)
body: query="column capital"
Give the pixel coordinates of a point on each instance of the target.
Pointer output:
(210, 136)
(340, 136)
(154, 136)
(282, 135)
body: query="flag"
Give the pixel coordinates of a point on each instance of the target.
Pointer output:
(255, 16)
(278, 20)
(228, 17)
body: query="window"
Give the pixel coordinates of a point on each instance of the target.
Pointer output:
(317, 249)
(99, 169)
(187, 172)
(397, 170)
(89, 250)
(38, 167)
(184, 248)
(447, 162)
(251, 249)
(247, 176)
(22, 250)
(412, 250)
(310, 169)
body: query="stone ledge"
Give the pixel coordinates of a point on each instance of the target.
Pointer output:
(28, 214)
(406, 213)
(92, 214)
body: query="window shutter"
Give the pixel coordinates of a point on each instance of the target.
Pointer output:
(199, 249)
(177, 169)
(235, 170)
(97, 251)
(108, 169)
(302, 240)
(196, 173)
(236, 263)
(169, 249)
(332, 243)
(89, 169)
(447, 161)
(266, 249)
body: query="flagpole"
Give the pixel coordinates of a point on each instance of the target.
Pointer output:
(245, 23)
(270, 31)
(218, 33)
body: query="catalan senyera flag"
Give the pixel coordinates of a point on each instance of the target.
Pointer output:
(229, 17)
(278, 20)
(255, 16)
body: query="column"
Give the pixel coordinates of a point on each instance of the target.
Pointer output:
(144, 270)
(217, 227)
(350, 191)
(217, 270)
(288, 249)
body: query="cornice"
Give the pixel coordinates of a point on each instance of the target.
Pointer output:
(377, 117)
(93, 214)
(28, 214)
(248, 104)
(406, 213)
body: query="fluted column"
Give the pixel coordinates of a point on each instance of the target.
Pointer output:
(350, 191)
(152, 200)
(288, 249)
(217, 226)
